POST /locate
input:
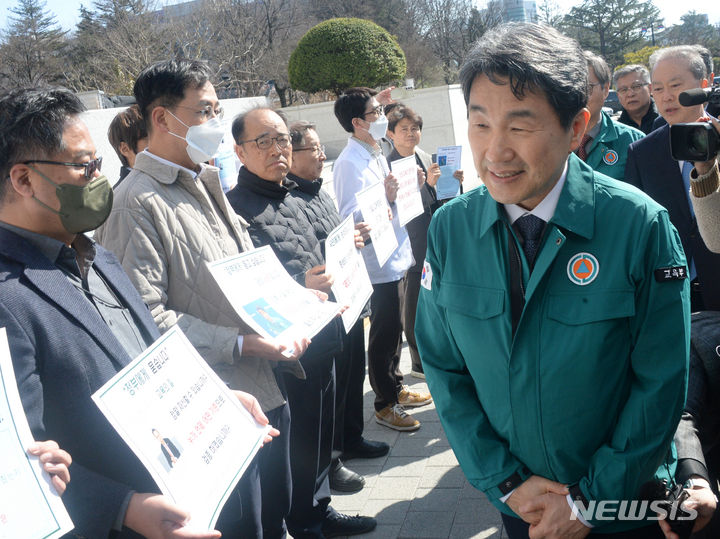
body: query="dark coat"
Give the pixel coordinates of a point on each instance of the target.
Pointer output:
(701, 417)
(651, 168)
(417, 229)
(320, 209)
(276, 219)
(647, 122)
(62, 352)
(170, 451)
(318, 206)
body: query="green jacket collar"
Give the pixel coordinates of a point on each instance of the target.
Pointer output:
(575, 211)
(607, 133)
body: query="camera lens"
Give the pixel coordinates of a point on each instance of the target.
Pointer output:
(698, 141)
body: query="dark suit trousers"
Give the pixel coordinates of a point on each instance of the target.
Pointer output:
(265, 488)
(411, 291)
(518, 529)
(703, 393)
(385, 344)
(350, 377)
(312, 409)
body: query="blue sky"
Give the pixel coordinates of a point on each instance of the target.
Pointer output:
(67, 11)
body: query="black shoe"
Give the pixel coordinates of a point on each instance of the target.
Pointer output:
(345, 480)
(339, 525)
(417, 371)
(366, 449)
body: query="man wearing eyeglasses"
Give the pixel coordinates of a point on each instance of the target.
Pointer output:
(306, 171)
(632, 83)
(651, 168)
(169, 220)
(262, 197)
(604, 145)
(73, 318)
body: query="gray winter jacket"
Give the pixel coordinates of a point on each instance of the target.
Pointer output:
(165, 226)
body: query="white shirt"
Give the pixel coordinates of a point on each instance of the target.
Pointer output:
(546, 209)
(170, 163)
(354, 170)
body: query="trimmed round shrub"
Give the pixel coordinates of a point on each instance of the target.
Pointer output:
(341, 53)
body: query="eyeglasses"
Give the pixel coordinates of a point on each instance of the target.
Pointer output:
(593, 85)
(205, 113)
(376, 111)
(635, 87)
(316, 149)
(90, 167)
(265, 142)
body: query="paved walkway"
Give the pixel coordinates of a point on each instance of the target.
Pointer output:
(418, 489)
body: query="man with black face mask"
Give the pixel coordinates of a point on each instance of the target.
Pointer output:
(73, 318)
(169, 220)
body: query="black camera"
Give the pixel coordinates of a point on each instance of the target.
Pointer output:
(667, 502)
(681, 522)
(695, 141)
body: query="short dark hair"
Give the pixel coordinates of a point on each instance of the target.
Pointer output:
(387, 109)
(238, 125)
(351, 104)
(164, 83)
(298, 130)
(402, 112)
(128, 126)
(32, 123)
(599, 67)
(535, 58)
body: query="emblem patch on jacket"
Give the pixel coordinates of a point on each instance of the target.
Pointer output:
(583, 268)
(610, 157)
(426, 278)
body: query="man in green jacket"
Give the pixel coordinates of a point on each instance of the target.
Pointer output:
(605, 144)
(553, 319)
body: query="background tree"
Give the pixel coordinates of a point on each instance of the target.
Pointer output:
(247, 44)
(389, 14)
(31, 47)
(640, 56)
(341, 53)
(114, 41)
(450, 27)
(225, 34)
(610, 27)
(549, 13)
(694, 28)
(111, 13)
(285, 21)
(404, 19)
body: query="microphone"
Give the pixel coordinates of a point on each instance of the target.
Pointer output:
(695, 96)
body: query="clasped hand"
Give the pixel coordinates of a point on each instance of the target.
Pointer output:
(542, 503)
